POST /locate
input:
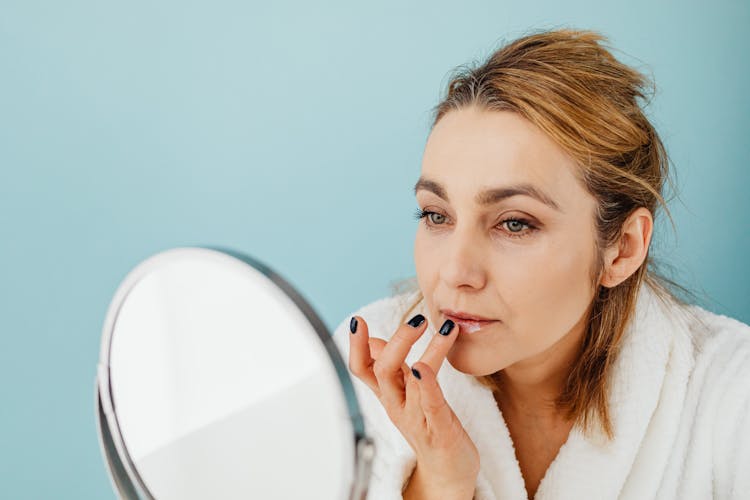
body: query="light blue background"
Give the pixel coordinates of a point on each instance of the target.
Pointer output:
(292, 132)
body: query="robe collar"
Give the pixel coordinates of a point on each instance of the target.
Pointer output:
(585, 467)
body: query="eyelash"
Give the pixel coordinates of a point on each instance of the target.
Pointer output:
(423, 214)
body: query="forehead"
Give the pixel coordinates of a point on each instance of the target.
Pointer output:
(471, 149)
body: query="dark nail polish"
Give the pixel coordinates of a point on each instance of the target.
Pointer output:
(416, 373)
(416, 320)
(353, 325)
(447, 327)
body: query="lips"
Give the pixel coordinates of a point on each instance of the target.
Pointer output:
(464, 315)
(468, 323)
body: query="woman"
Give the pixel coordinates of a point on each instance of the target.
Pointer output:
(573, 371)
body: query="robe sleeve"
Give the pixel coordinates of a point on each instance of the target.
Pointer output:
(394, 460)
(731, 453)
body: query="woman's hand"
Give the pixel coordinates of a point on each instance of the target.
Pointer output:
(445, 452)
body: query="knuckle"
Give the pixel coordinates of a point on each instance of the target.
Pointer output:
(433, 406)
(378, 369)
(404, 334)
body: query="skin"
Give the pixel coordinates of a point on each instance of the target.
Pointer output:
(538, 285)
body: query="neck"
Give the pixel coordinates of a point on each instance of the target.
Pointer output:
(531, 386)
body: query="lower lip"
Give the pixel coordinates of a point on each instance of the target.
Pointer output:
(472, 326)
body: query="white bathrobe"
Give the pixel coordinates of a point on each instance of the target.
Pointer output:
(680, 407)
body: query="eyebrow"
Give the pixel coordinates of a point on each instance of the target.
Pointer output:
(491, 196)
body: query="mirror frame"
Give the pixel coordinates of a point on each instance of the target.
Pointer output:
(124, 476)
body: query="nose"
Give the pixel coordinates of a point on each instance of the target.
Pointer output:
(464, 260)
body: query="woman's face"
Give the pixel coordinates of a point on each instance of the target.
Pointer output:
(490, 251)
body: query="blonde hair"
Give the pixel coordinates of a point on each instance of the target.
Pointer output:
(569, 85)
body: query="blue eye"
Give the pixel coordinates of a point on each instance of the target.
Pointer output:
(514, 221)
(422, 214)
(515, 225)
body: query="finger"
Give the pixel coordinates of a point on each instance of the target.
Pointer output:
(363, 352)
(413, 404)
(360, 357)
(439, 346)
(389, 366)
(376, 348)
(438, 415)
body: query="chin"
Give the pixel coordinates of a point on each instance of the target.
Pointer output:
(464, 363)
(461, 361)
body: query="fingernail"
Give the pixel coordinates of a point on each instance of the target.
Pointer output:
(416, 320)
(353, 325)
(416, 373)
(447, 327)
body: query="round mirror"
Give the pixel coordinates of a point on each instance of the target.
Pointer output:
(217, 380)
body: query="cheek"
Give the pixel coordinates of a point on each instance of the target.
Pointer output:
(426, 272)
(548, 292)
(420, 265)
(424, 259)
(427, 266)
(551, 264)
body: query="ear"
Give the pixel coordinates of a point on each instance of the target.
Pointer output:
(626, 256)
